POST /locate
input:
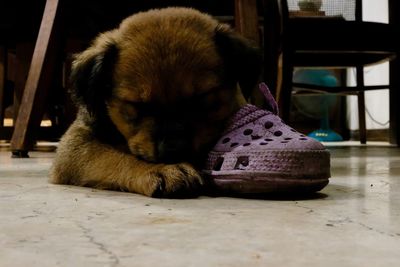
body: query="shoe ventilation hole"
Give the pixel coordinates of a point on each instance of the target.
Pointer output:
(293, 130)
(284, 142)
(268, 139)
(302, 135)
(234, 144)
(303, 139)
(255, 137)
(268, 125)
(218, 164)
(246, 144)
(263, 143)
(226, 140)
(288, 138)
(278, 133)
(248, 132)
(242, 162)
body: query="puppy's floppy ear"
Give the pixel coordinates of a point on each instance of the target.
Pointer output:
(91, 75)
(243, 60)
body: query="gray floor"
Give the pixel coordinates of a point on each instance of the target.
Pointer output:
(354, 221)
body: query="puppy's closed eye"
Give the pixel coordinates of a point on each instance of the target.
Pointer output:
(146, 109)
(209, 102)
(130, 113)
(133, 110)
(213, 105)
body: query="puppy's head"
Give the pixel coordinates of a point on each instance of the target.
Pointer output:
(167, 80)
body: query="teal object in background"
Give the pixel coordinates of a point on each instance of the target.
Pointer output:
(318, 105)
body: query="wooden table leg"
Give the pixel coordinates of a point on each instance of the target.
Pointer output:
(37, 83)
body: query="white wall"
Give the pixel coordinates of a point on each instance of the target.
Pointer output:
(377, 102)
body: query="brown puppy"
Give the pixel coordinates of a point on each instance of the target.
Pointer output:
(153, 97)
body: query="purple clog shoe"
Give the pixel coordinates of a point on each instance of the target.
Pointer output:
(259, 153)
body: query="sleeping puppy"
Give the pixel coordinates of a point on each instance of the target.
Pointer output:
(154, 95)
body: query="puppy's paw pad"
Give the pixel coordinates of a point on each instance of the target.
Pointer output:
(177, 181)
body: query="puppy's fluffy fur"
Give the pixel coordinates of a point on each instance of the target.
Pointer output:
(153, 97)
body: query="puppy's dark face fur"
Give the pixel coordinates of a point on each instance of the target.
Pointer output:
(165, 83)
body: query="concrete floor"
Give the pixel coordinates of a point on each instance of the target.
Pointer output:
(354, 221)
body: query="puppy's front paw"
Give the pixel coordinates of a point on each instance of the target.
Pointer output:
(177, 181)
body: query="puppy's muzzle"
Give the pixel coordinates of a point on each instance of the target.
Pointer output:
(173, 143)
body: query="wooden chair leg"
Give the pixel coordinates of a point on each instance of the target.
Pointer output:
(247, 24)
(394, 96)
(37, 83)
(23, 58)
(285, 94)
(361, 105)
(361, 117)
(246, 19)
(394, 82)
(271, 46)
(3, 77)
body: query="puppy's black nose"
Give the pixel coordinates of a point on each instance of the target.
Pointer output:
(172, 142)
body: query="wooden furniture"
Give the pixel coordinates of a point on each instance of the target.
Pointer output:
(394, 80)
(50, 43)
(37, 83)
(19, 26)
(3, 68)
(327, 41)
